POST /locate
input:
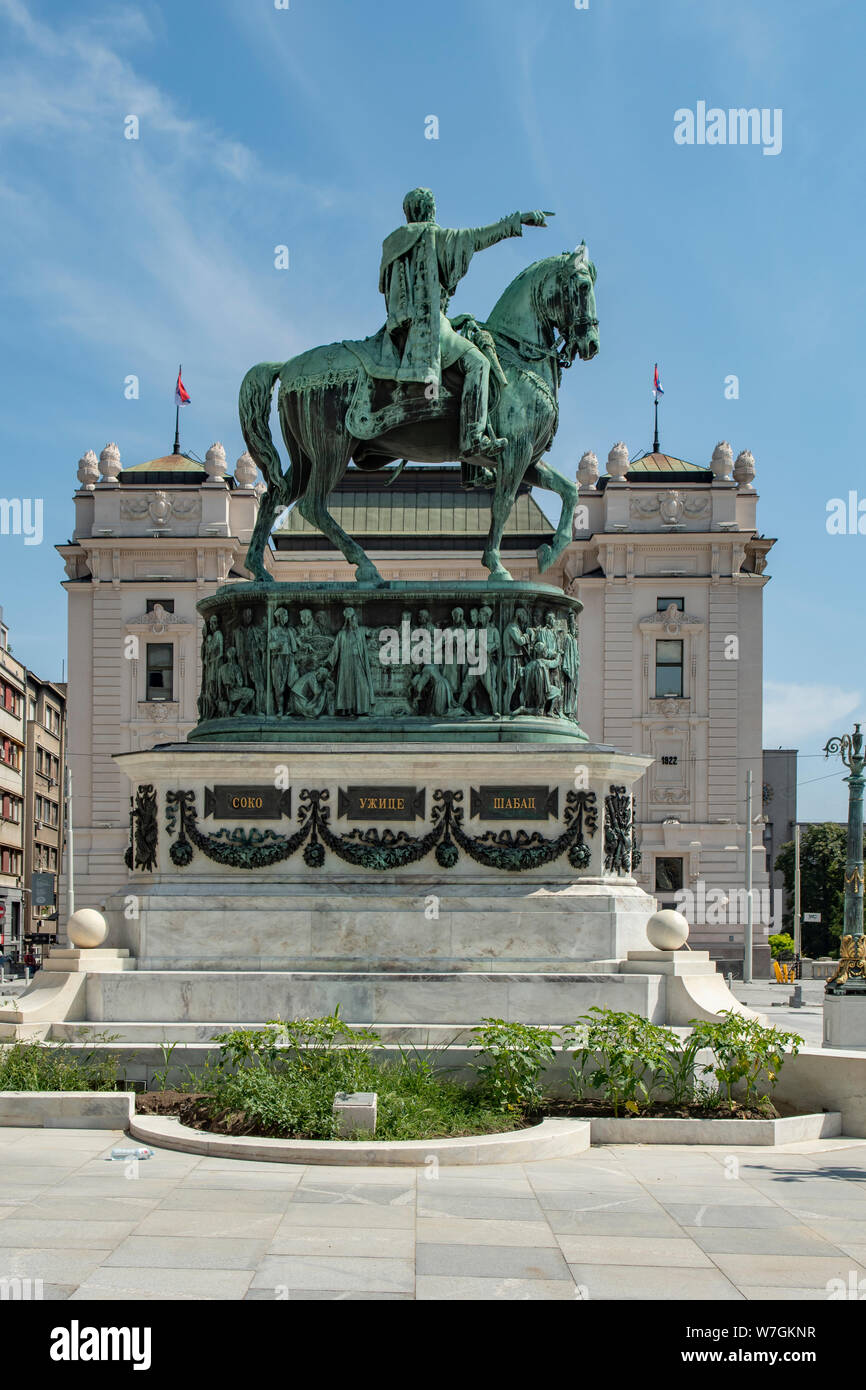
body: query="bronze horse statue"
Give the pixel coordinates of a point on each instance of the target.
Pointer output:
(544, 319)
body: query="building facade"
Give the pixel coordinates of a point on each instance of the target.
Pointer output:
(13, 679)
(148, 543)
(44, 759)
(32, 750)
(666, 559)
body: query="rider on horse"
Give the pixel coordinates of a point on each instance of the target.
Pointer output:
(422, 265)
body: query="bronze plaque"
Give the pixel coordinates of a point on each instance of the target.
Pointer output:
(381, 803)
(247, 801)
(512, 802)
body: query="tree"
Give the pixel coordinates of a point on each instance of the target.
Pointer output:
(822, 884)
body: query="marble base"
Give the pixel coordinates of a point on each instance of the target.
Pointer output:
(464, 997)
(845, 1020)
(320, 912)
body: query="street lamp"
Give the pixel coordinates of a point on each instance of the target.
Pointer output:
(850, 977)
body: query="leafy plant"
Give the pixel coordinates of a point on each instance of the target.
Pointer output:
(744, 1051)
(37, 1066)
(301, 1039)
(622, 1055)
(161, 1077)
(518, 1054)
(781, 945)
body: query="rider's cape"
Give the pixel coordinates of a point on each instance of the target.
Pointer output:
(422, 265)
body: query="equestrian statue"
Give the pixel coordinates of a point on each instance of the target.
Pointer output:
(429, 388)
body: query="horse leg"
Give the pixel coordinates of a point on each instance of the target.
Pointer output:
(255, 558)
(313, 509)
(542, 475)
(508, 476)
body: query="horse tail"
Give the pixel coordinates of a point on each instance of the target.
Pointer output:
(254, 408)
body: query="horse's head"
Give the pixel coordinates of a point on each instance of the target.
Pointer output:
(569, 303)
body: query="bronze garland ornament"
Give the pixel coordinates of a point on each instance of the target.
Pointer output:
(381, 850)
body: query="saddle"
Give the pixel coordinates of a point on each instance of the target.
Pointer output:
(381, 403)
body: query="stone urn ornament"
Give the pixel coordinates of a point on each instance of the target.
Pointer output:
(88, 470)
(617, 462)
(109, 463)
(722, 462)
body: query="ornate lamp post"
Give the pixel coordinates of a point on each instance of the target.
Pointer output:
(850, 978)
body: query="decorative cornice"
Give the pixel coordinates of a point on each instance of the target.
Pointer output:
(671, 620)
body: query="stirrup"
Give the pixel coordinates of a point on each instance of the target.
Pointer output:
(484, 446)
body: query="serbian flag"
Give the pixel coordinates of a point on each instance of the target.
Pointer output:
(181, 395)
(658, 389)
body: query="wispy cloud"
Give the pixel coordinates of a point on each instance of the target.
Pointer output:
(797, 716)
(139, 246)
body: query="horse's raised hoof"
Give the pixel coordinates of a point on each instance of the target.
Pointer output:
(544, 555)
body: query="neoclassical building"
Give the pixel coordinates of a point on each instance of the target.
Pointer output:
(666, 559)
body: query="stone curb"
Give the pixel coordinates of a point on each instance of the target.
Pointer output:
(791, 1129)
(67, 1109)
(550, 1139)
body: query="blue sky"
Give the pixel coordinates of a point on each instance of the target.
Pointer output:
(305, 126)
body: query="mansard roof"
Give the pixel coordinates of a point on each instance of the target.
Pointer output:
(424, 507)
(171, 468)
(658, 467)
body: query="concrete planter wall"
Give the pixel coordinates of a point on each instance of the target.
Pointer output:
(832, 1079)
(793, 1129)
(550, 1139)
(67, 1109)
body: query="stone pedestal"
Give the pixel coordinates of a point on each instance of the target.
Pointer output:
(465, 857)
(845, 1020)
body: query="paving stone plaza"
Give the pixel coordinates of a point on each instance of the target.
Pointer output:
(619, 1222)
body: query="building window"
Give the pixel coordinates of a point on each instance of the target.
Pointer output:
(10, 861)
(663, 604)
(32, 711)
(166, 603)
(160, 671)
(668, 875)
(669, 669)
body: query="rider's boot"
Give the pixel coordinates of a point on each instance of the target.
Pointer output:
(481, 444)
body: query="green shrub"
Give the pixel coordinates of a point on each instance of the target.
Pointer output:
(416, 1101)
(518, 1054)
(781, 945)
(626, 1058)
(285, 1078)
(37, 1066)
(744, 1052)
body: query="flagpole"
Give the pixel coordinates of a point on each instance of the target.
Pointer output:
(176, 449)
(656, 399)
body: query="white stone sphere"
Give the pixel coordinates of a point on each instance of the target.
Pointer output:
(87, 927)
(667, 930)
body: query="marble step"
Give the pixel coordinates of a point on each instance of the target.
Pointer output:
(425, 997)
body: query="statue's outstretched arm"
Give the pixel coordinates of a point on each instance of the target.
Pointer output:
(507, 227)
